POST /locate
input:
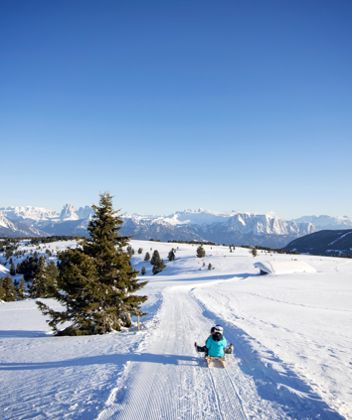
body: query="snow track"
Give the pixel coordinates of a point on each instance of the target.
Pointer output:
(168, 380)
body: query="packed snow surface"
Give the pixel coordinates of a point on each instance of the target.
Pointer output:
(291, 333)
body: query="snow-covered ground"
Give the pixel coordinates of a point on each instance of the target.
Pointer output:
(292, 336)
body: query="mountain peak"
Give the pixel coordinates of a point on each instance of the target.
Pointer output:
(68, 212)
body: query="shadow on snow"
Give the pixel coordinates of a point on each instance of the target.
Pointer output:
(297, 399)
(186, 279)
(23, 334)
(161, 359)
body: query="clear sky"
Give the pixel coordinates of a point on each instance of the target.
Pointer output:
(225, 105)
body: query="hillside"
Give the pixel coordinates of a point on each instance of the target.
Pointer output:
(290, 332)
(325, 242)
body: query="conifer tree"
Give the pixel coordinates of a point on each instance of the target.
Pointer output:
(52, 276)
(171, 256)
(143, 270)
(200, 251)
(158, 267)
(21, 290)
(2, 291)
(147, 256)
(97, 283)
(45, 280)
(38, 286)
(155, 258)
(8, 289)
(130, 250)
(28, 267)
(254, 251)
(157, 263)
(12, 269)
(78, 291)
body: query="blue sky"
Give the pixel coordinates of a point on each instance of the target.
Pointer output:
(243, 105)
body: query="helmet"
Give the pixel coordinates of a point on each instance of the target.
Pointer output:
(217, 329)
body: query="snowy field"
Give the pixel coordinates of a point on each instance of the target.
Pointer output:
(292, 335)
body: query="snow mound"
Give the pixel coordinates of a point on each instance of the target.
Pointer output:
(4, 272)
(284, 267)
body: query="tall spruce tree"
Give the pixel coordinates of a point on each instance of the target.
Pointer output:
(97, 283)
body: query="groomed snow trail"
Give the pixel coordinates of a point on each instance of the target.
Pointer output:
(166, 379)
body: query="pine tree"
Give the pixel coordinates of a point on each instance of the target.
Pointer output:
(147, 256)
(200, 251)
(254, 251)
(157, 263)
(158, 267)
(130, 250)
(52, 275)
(155, 258)
(21, 290)
(44, 281)
(2, 291)
(140, 250)
(38, 284)
(171, 256)
(12, 269)
(143, 271)
(8, 290)
(97, 283)
(210, 266)
(28, 267)
(79, 291)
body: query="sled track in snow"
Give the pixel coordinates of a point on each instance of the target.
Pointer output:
(228, 406)
(164, 379)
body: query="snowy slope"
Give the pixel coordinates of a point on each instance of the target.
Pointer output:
(8, 228)
(291, 333)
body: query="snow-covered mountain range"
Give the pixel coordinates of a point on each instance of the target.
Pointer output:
(228, 228)
(231, 228)
(38, 221)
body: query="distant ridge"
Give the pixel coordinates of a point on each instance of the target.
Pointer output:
(324, 242)
(236, 228)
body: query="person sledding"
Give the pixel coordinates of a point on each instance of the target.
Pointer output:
(216, 344)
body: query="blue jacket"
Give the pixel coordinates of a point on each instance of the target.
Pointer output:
(216, 348)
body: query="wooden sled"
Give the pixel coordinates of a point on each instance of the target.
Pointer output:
(217, 362)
